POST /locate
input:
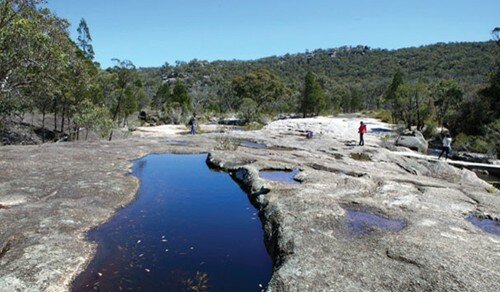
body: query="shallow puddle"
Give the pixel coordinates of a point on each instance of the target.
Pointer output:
(283, 176)
(381, 131)
(190, 229)
(434, 151)
(487, 225)
(363, 224)
(251, 144)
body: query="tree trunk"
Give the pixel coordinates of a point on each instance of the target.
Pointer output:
(43, 126)
(69, 121)
(86, 133)
(118, 103)
(55, 117)
(62, 118)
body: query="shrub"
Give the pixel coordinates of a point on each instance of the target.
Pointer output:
(361, 156)
(476, 144)
(253, 126)
(430, 129)
(249, 111)
(383, 115)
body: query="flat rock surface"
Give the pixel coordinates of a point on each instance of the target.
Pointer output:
(50, 195)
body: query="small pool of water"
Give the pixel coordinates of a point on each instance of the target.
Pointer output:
(487, 225)
(189, 226)
(252, 144)
(434, 151)
(381, 131)
(283, 176)
(362, 223)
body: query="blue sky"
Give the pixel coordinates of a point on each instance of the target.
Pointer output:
(152, 32)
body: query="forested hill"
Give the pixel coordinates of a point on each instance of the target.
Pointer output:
(358, 70)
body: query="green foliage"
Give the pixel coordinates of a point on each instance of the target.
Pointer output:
(249, 111)
(390, 96)
(477, 144)
(313, 101)
(181, 96)
(480, 110)
(94, 118)
(383, 115)
(447, 98)
(125, 91)
(162, 96)
(261, 86)
(430, 129)
(412, 105)
(84, 40)
(368, 70)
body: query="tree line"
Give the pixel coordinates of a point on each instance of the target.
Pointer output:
(43, 71)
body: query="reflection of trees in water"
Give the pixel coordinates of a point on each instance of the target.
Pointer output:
(140, 165)
(200, 282)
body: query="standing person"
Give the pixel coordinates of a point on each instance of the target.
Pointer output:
(446, 146)
(192, 123)
(362, 130)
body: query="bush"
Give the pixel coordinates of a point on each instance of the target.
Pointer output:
(249, 111)
(476, 144)
(480, 146)
(461, 142)
(430, 129)
(383, 115)
(253, 126)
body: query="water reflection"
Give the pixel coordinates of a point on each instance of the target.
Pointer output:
(189, 227)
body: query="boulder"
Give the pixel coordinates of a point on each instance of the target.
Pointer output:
(413, 140)
(149, 116)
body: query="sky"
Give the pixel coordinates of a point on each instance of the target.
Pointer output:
(152, 32)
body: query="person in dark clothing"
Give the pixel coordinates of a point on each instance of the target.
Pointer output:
(192, 123)
(446, 146)
(362, 130)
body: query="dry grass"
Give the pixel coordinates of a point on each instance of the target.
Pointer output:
(361, 157)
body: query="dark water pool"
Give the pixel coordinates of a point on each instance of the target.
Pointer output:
(381, 131)
(283, 176)
(487, 225)
(434, 151)
(189, 226)
(363, 224)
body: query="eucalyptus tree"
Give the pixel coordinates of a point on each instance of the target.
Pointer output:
(447, 97)
(127, 85)
(84, 39)
(22, 40)
(414, 103)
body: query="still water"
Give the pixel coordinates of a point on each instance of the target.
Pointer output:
(190, 229)
(283, 176)
(363, 223)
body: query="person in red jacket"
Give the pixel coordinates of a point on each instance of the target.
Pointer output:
(362, 130)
